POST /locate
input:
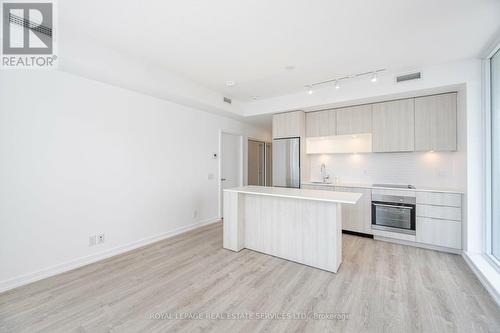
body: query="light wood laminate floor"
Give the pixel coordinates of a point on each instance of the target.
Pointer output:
(380, 287)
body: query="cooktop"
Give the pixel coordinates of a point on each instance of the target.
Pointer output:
(394, 186)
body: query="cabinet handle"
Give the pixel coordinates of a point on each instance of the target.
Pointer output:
(393, 206)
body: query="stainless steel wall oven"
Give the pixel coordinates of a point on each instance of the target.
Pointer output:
(393, 213)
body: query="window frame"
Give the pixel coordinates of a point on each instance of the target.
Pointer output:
(487, 240)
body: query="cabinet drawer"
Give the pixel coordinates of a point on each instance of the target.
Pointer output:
(439, 232)
(440, 199)
(439, 212)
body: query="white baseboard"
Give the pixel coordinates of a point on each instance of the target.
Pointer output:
(485, 273)
(69, 265)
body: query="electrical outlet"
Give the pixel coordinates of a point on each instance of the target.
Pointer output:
(92, 240)
(100, 239)
(195, 214)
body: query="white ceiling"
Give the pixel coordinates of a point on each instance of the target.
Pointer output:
(251, 42)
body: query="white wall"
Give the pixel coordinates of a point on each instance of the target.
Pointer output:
(79, 157)
(104, 64)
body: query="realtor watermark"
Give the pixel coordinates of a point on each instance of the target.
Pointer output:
(28, 31)
(338, 316)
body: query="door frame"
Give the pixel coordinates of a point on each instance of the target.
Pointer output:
(248, 152)
(265, 142)
(241, 182)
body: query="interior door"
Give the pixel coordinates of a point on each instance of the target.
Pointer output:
(256, 163)
(231, 166)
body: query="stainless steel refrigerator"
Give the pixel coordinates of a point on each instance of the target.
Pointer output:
(286, 162)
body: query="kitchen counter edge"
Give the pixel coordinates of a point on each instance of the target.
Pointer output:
(296, 193)
(418, 189)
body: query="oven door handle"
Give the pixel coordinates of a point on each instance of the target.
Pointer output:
(392, 206)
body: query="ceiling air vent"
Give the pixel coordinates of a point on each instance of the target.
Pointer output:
(408, 77)
(227, 100)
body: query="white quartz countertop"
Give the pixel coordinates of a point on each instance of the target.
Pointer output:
(417, 189)
(296, 193)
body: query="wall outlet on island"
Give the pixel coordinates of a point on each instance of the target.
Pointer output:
(195, 214)
(92, 240)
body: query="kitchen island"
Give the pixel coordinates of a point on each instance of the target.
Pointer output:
(300, 225)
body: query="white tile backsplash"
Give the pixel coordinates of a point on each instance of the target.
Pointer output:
(439, 169)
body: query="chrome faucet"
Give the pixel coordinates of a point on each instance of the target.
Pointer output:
(324, 176)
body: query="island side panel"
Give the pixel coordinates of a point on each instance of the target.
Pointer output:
(233, 226)
(300, 230)
(339, 235)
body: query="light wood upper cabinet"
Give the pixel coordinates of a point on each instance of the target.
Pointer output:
(393, 126)
(406, 125)
(290, 124)
(321, 123)
(436, 123)
(354, 120)
(293, 124)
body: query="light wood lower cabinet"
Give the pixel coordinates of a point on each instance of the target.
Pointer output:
(439, 219)
(438, 216)
(439, 199)
(439, 212)
(446, 233)
(357, 217)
